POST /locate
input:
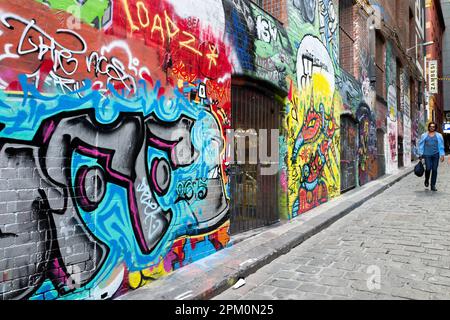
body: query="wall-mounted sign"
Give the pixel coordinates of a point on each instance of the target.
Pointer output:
(446, 128)
(433, 76)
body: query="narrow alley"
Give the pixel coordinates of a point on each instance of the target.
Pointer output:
(395, 246)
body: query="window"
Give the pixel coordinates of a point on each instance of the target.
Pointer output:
(412, 30)
(412, 96)
(398, 8)
(379, 62)
(347, 35)
(398, 85)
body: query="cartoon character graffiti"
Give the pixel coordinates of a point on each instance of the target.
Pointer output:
(318, 129)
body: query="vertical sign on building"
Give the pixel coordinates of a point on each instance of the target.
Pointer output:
(433, 76)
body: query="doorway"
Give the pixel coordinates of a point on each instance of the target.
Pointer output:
(254, 197)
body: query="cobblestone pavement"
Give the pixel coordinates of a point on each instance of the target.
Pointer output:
(404, 233)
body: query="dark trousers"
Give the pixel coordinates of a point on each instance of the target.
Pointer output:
(431, 164)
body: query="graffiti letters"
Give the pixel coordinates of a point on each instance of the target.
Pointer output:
(266, 31)
(117, 143)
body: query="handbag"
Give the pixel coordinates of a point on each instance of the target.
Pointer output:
(419, 169)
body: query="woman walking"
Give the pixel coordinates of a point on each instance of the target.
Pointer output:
(431, 148)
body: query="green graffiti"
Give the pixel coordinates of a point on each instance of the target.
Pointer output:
(94, 12)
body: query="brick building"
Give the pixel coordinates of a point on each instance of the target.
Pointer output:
(380, 49)
(118, 121)
(435, 28)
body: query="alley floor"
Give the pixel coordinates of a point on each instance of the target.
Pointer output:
(395, 246)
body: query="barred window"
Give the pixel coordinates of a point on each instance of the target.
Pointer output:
(346, 35)
(380, 65)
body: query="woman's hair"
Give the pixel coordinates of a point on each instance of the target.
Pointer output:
(432, 122)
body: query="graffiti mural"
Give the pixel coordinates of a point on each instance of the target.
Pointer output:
(313, 148)
(328, 27)
(392, 116)
(261, 45)
(313, 105)
(406, 108)
(313, 140)
(307, 9)
(301, 60)
(367, 152)
(111, 150)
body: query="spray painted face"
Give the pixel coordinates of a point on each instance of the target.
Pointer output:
(313, 124)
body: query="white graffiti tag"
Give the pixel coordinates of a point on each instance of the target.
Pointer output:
(67, 62)
(152, 209)
(61, 56)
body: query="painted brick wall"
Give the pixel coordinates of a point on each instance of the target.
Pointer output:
(112, 134)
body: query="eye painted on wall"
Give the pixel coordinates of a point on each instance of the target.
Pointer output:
(312, 123)
(90, 187)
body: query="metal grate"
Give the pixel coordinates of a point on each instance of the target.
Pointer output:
(349, 143)
(400, 152)
(381, 160)
(254, 198)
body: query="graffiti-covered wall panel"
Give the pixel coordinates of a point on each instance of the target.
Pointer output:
(313, 106)
(392, 117)
(112, 125)
(113, 118)
(301, 59)
(261, 47)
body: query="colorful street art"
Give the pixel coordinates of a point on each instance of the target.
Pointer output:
(313, 107)
(406, 108)
(97, 13)
(367, 152)
(261, 45)
(392, 121)
(313, 146)
(302, 61)
(111, 145)
(113, 119)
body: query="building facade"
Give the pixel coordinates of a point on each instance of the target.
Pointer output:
(120, 122)
(435, 28)
(445, 6)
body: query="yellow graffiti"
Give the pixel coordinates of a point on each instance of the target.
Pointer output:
(212, 55)
(188, 43)
(157, 25)
(185, 39)
(128, 14)
(140, 278)
(134, 279)
(313, 145)
(141, 6)
(172, 28)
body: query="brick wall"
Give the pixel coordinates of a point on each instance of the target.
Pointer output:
(105, 132)
(348, 24)
(434, 32)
